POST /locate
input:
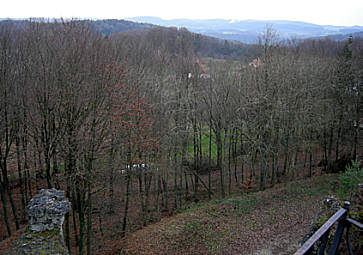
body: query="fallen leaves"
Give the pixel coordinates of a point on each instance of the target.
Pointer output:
(276, 218)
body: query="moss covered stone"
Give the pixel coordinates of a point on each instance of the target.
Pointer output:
(40, 243)
(44, 234)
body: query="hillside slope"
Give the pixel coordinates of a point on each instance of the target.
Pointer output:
(268, 222)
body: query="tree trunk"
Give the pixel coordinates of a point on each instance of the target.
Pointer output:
(273, 172)
(263, 170)
(325, 150)
(5, 211)
(286, 157)
(195, 163)
(111, 177)
(310, 162)
(210, 158)
(81, 214)
(330, 145)
(142, 196)
(20, 178)
(126, 208)
(13, 208)
(89, 217)
(219, 160)
(147, 181)
(229, 163)
(47, 168)
(234, 153)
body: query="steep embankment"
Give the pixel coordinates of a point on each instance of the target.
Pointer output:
(268, 222)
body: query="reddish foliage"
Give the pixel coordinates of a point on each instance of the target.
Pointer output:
(130, 116)
(249, 184)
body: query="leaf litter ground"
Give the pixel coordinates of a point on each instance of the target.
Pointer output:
(273, 221)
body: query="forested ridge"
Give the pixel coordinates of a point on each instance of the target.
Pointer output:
(202, 45)
(135, 125)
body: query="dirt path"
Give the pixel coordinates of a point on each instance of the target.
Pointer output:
(268, 222)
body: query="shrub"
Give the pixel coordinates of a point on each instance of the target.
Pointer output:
(349, 180)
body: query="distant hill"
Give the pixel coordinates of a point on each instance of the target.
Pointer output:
(108, 26)
(202, 45)
(341, 37)
(248, 31)
(105, 26)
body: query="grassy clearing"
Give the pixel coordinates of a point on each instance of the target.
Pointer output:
(205, 144)
(206, 137)
(240, 224)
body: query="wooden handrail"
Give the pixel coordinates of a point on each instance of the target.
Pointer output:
(320, 232)
(355, 223)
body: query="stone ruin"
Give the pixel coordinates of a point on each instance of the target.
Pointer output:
(44, 234)
(47, 209)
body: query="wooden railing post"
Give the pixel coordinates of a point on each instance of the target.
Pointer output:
(339, 232)
(324, 242)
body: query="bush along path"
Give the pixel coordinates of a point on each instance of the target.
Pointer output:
(273, 221)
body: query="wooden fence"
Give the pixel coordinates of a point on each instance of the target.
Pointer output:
(322, 234)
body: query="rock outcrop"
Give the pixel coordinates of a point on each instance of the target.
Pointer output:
(44, 235)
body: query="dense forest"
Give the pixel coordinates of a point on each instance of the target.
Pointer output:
(134, 125)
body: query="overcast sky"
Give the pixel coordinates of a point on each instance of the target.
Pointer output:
(322, 12)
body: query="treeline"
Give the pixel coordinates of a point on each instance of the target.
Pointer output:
(78, 109)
